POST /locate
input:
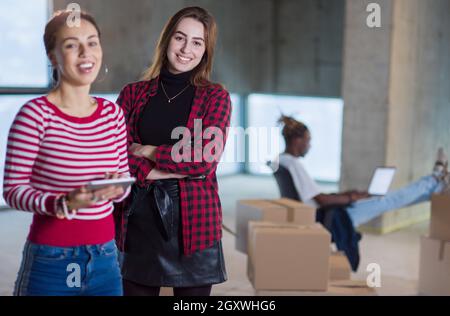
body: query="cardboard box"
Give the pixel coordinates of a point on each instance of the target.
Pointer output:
(335, 288)
(298, 213)
(339, 267)
(440, 217)
(288, 256)
(255, 210)
(434, 270)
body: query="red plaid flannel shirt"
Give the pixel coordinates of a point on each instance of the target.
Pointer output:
(201, 211)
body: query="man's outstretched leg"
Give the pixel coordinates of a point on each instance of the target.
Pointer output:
(420, 191)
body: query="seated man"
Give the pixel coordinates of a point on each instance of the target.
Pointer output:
(360, 207)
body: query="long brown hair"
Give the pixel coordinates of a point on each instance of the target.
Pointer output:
(292, 128)
(201, 74)
(55, 24)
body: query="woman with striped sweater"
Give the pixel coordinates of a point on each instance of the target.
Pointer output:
(58, 143)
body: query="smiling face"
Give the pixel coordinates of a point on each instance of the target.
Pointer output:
(77, 54)
(187, 46)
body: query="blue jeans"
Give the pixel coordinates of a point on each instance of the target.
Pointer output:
(420, 191)
(91, 270)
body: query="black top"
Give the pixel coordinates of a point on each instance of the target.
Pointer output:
(160, 117)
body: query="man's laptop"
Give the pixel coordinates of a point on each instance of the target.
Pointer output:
(381, 181)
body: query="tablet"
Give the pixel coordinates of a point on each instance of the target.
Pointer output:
(381, 180)
(101, 184)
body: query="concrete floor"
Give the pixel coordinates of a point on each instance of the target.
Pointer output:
(396, 253)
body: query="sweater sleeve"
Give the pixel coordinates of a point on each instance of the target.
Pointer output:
(24, 139)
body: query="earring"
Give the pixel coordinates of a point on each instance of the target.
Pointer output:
(104, 73)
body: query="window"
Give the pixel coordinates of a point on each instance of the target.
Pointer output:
(323, 116)
(23, 61)
(229, 163)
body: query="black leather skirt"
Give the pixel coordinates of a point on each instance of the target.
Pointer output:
(153, 247)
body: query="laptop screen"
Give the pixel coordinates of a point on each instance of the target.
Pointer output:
(381, 181)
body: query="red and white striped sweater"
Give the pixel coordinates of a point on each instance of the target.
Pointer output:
(49, 153)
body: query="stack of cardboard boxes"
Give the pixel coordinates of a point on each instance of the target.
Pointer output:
(275, 211)
(434, 275)
(288, 251)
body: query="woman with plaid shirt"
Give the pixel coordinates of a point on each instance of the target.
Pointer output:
(169, 230)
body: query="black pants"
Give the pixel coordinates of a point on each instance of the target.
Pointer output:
(134, 289)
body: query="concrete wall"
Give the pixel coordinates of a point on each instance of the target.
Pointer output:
(396, 94)
(365, 92)
(130, 30)
(286, 46)
(310, 40)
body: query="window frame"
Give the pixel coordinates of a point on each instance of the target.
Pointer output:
(247, 115)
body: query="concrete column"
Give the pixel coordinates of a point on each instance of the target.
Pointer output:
(397, 96)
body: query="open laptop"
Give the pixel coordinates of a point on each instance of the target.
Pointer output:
(381, 181)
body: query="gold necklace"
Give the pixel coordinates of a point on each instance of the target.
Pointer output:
(170, 99)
